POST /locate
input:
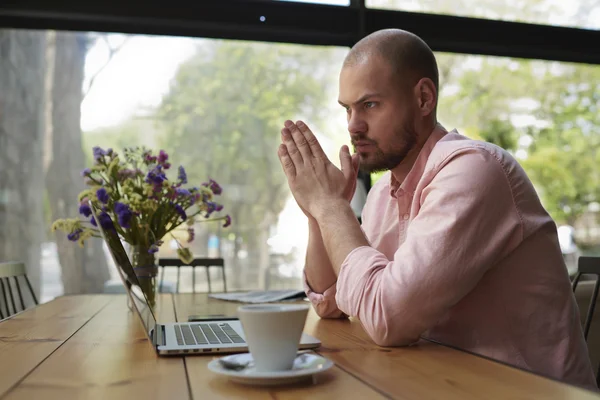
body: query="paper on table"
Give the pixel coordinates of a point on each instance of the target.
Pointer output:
(260, 296)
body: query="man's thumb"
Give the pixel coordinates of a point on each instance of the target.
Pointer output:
(346, 162)
(355, 163)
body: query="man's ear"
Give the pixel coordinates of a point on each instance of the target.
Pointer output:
(426, 95)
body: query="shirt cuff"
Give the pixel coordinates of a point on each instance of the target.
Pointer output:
(324, 303)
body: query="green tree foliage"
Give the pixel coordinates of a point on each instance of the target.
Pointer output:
(563, 159)
(485, 90)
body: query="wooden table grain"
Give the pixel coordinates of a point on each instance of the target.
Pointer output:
(93, 347)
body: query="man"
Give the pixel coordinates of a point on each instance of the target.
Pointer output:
(455, 245)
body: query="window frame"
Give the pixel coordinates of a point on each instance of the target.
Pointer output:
(304, 23)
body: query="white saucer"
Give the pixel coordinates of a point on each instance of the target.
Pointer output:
(305, 365)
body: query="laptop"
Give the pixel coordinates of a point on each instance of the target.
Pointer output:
(204, 337)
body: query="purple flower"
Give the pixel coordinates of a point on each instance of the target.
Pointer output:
(124, 214)
(85, 210)
(74, 236)
(162, 157)
(149, 159)
(214, 186)
(166, 165)
(180, 211)
(153, 249)
(105, 221)
(227, 221)
(182, 176)
(182, 192)
(102, 195)
(191, 235)
(210, 208)
(86, 172)
(156, 176)
(99, 153)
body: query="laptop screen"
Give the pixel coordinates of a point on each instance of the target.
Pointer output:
(125, 270)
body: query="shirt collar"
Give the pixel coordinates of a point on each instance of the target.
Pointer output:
(410, 182)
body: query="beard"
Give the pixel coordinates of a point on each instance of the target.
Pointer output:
(405, 139)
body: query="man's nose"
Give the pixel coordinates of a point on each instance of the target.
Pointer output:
(356, 125)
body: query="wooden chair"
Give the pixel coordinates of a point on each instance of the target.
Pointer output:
(206, 263)
(591, 266)
(13, 270)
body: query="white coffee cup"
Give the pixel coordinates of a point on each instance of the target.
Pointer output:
(273, 333)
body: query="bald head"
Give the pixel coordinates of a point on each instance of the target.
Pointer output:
(408, 55)
(388, 87)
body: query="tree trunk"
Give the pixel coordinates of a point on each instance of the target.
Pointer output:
(83, 270)
(22, 66)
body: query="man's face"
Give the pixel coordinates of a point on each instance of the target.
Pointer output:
(381, 113)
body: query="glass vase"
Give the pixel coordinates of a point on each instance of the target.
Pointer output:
(145, 265)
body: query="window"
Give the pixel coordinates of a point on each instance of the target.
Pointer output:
(216, 106)
(576, 13)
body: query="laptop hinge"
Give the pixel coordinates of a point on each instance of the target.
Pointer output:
(158, 335)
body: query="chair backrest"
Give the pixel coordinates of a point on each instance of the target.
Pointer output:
(14, 270)
(589, 266)
(206, 263)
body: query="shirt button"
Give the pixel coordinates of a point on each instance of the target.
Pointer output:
(405, 216)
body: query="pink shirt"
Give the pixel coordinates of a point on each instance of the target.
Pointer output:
(463, 253)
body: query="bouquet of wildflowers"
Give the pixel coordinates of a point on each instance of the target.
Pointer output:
(135, 192)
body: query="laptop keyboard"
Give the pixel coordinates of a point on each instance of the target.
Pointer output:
(192, 334)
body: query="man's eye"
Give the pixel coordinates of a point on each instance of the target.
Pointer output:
(369, 104)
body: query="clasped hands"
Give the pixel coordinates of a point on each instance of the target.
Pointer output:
(316, 183)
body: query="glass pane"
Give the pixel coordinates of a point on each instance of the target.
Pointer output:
(215, 106)
(576, 13)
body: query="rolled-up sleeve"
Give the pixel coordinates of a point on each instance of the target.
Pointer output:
(466, 222)
(324, 303)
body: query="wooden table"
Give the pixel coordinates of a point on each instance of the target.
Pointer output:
(93, 347)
